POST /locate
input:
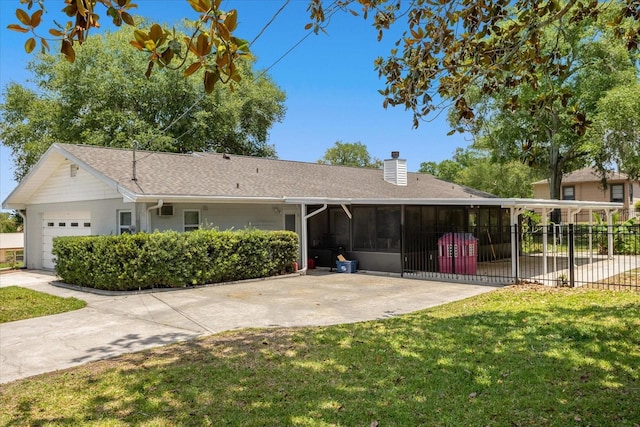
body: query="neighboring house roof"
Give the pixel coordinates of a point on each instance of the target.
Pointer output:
(587, 175)
(11, 240)
(212, 175)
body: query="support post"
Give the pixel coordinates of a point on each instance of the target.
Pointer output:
(515, 244)
(572, 256)
(545, 240)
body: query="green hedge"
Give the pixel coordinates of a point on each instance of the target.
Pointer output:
(172, 259)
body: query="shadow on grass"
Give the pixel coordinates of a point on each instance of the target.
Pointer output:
(498, 359)
(130, 343)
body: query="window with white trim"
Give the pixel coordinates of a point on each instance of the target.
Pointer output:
(191, 220)
(568, 193)
(125, 222)
(617, 192)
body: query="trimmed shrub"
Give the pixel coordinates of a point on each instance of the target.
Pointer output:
(172, 259)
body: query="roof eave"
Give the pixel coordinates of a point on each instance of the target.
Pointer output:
(177, 198)
(471, 201)
(56, 148)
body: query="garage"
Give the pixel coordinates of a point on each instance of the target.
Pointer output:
(62, 224)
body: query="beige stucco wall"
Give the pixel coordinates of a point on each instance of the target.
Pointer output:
(593, 192)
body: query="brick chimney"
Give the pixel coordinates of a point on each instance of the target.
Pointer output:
(395, 169)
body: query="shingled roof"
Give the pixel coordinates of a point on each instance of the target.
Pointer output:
(220, 175)
(588, 175)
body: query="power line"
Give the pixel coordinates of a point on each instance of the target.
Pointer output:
(333, 8)
(273, 18)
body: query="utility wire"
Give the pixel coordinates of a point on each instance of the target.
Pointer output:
(332, 10)
(273, 18)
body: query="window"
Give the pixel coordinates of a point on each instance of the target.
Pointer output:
(388, 228)
(568, 193)
(364, 228)
(124, 222)
(191, 220)
(451, 218)
(376, 228)
(617, 193)
(339, 228)
(290, 222)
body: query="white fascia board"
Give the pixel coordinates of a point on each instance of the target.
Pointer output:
(549, 203)
(6, 204)
(475, 201)
(127, 195)
(172, 198)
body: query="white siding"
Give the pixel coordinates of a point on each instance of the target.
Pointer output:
(103, 216)
(225, 216)
(62, 187)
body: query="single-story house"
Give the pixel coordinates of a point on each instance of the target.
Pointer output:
(586, 185)
(380, 217)
(11, 247)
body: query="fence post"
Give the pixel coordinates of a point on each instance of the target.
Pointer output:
(572, 256)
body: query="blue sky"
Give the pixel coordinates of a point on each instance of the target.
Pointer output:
(329, 79)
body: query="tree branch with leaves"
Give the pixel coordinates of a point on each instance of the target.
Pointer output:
(215, 48)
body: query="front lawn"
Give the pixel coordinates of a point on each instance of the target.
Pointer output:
(18, 303)
(519, 356)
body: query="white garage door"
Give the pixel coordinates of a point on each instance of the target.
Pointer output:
(67, 224)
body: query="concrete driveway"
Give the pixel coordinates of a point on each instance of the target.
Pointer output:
(114, 324)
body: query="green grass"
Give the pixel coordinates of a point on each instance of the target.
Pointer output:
(520, 356)
(11, 264)
(18, 303)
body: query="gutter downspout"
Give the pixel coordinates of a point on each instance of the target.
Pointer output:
(24, 230)
(303, 234)
(158, 206)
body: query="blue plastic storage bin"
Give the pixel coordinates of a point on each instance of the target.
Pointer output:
(346, 266)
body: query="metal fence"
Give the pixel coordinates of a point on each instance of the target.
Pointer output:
(583, 255)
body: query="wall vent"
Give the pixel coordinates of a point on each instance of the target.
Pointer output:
(165, 210)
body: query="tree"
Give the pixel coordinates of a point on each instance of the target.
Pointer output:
(447, 170)
(474, 168)
(349, 154)
(10, 223)
(103, 98)
(216, 50)
(615, 136)
(446, 46)
(553, 139)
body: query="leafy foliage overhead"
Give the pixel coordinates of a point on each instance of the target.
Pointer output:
(547, 125)
(216, 50)
(103, 98)
(445, 46)
(449, 45)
